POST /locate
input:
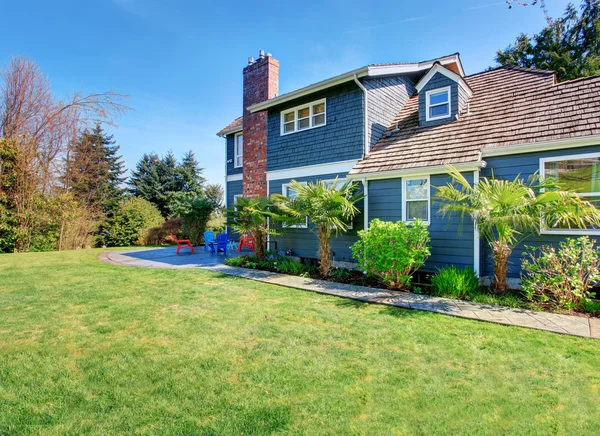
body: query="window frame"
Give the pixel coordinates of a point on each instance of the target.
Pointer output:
(235, 150)
(340, 182)
(311, 116)
(405, 200)
(284, 191)
(448, 90)
(542, 171)
(235, 200)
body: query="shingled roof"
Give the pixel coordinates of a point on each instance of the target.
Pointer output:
(234, 126)
(509, 106)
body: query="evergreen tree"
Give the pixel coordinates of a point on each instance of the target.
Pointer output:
(161, 180)
(569, 45)
(94, 171)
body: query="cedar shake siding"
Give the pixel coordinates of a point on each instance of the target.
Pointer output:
(231, 169)
(340, 139)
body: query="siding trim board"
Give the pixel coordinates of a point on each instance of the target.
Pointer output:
(437, 169)
(234, 177)
(312, 170)
(533, 147)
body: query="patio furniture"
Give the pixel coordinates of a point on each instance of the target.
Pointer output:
(246, 241)
(208, 238)
(182, 243)
(220, 244)
(232, 245)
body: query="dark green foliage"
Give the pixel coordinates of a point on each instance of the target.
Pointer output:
(195, 212)
(453, 282)
(340, 274)
(94, 171)
(569, 45)
(130, 224)
(215, 193)
(158, 180)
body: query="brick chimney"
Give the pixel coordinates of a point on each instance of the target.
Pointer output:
(261, 82)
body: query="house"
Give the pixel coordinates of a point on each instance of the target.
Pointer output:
(395, 127)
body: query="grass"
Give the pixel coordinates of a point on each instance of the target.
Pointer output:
(87, 347)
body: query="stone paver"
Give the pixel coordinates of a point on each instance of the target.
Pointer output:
(557, 323)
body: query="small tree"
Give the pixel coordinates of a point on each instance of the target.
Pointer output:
(329, 206)
(507, 212)
(195, 212)
(392, 251)
(131, 222)
(251, 216)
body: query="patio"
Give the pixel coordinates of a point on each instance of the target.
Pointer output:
(166, 257)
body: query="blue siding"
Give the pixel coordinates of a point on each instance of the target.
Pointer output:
(303, 241)
(523, 166)
(340, 139)
(438, 81)
(386, 97)
(229, 156)
(449, 245)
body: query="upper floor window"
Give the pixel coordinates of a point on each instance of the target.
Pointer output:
(437, 103)
(579, 173)
(303, 117)
(238, 150)
(415, 199)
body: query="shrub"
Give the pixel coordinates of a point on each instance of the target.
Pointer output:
(564, 278)
(161, 234)
(392, 251)
(131, 223)
(236, 261)
(455, 282)
(194, 213)
(340, 274)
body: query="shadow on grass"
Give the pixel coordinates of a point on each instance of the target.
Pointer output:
(397, 312)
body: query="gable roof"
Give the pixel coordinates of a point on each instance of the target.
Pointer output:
(233, 127)
(372, 70)
(439, 68)
(509, 106)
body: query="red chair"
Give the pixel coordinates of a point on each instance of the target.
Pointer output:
(246, 241)
(182, 243)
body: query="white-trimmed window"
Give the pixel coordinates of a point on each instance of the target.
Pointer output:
(415, 199)
(238, 150)
(579, 173)
(304, 117)
(338, 186)
(288, 191)
(235, 200)
(437, 104)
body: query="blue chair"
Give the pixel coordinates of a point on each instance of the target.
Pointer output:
(208, 238)
(220, 244)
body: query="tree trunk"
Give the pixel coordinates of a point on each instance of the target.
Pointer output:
(260, 242)
(324, 250)
(501, 251)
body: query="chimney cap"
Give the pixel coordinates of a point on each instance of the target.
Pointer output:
(250, 60)
(261, 54)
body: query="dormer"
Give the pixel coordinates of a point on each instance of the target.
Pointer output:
(443, 95)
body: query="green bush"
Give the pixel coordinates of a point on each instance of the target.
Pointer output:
(160, 234)
(131, 223)
(561, 278)
(340, 274)
(391, 251)
(195, 212)
(455, 282)
(236, 261)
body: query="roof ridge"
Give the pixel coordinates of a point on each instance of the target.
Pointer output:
(579, 79)
(516, 68)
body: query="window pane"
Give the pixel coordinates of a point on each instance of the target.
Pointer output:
(303, 113)
(291, 194)
(416, 209)
(288, 127)
(289, 117)
(304, 124)
(318, 108)
(439, 97)
(438, 111)
(318, 120)
(580, 175)
(417, 189)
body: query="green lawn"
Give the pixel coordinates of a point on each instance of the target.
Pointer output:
(87, 347)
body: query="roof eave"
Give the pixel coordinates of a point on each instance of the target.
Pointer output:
(224, 133)
(405, 172)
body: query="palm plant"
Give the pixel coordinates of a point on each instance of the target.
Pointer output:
(251, 215)
(330, 207)
(507, 212)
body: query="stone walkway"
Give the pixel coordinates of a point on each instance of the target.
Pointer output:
(565, 324)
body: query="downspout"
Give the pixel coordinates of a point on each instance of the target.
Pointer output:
(366, 121)
(365, 183)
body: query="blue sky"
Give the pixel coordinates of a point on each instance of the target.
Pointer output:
(181, 61)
